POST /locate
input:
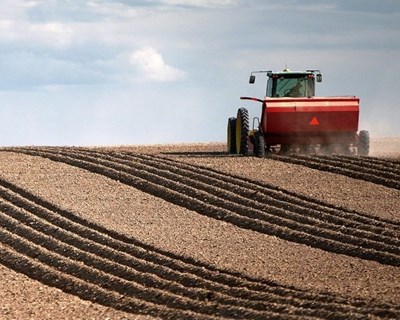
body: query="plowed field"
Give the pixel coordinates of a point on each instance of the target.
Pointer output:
(190, 232)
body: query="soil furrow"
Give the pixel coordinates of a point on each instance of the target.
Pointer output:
(99, 256)
(51, 269)
(242, 216)
(153, 258)
(340, 167)
(262, 210)
(286, 197)
(301, 209)
(249, 199)
(291, 298)
(69, 261)
(301, 200)
(137, 257)
(356, 164)
(46, 240)
(370, 162)
(112, 263)
(270, 303)
(93, 251)
(20, 256)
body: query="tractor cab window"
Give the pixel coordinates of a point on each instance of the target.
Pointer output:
(293, 86)
(269, 87)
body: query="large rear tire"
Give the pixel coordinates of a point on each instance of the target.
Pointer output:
(259, 144)
(363, 143)
(242, 131)
(231, 136)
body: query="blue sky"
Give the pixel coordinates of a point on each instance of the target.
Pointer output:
(107, 72)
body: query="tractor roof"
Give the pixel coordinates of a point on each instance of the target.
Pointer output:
(289, 72)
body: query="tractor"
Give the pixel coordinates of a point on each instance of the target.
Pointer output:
(294, 120)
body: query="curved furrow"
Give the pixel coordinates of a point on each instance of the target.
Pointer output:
(139, 258)
(388, 169)
(289, 197)
(237, 213)
(234, 195)
(299, 214)
(389, 162)
(327, 303)
(362, 172)
(112, 284)
(283, 198)
(102, 258)
(360, 167)
(154, 261)
(100, 287)
(306, 211)
(115, 277)
(18, 257)
(64, 242)
(371, 162)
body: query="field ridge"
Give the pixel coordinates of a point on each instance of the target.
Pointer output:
(59, 249)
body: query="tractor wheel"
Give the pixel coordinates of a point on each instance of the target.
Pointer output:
(231, 136)
(242, 131)
(259, 144)
(363, 143)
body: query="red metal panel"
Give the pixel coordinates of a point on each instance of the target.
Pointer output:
(310, 115)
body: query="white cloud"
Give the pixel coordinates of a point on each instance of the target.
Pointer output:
(201, 3)
(53, 34)
(111, 9)
(11, 9)
(50, 34)
(152, 66)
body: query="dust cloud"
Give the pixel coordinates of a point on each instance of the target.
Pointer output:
(388, 147)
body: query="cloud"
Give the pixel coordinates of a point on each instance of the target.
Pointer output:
(50, 34)
(54, 34)
(151, 66)
(113, 9)
(201, 3)
(372, 6)
(28, 70)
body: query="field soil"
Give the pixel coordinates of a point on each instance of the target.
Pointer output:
(189, 232)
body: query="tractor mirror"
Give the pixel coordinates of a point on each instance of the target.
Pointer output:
(319, 77)
(252, 79)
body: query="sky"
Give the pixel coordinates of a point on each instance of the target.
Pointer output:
(128, 72)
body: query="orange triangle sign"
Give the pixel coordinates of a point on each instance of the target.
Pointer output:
(314, 121)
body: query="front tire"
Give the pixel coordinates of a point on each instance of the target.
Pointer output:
(231, 136)
(259, 144)
(242, 131)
